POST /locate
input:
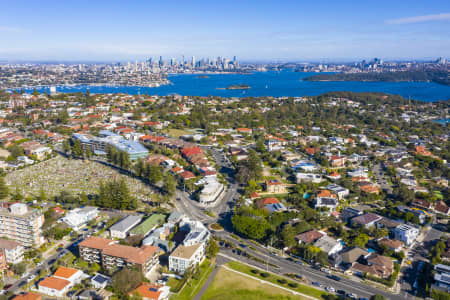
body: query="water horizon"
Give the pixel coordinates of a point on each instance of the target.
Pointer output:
(285, 83)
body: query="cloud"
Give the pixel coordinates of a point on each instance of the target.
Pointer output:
(420, 19)
(13, 29)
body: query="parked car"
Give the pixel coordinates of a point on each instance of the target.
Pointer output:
(330, 289)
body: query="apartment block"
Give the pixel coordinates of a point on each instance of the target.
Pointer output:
(20, 224)
(111, 255)
(13, 251)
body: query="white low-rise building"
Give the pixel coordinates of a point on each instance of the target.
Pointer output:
(79, 217)
(185, 256)
(211, 190)
(61, 281)
(120, 229)
(308, 177)
(406, 233)
(328, 245)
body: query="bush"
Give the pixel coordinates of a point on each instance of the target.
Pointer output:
(265, 275)
(282, 281)
(293, 285)
(255, 271)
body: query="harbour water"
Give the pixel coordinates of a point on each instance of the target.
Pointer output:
(277, 84)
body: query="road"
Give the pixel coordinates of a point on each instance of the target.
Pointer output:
(222, 211)
(381, 179)
(47, 263)
(311, 274)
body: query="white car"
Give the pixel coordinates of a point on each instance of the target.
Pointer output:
(330, 289)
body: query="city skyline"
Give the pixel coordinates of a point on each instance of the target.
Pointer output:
(263, 31)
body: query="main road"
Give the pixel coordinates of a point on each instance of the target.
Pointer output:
(222, 211)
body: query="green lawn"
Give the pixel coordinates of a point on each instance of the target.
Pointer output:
(176, 132)
(228, 285)
(275, 279)
(192, 287)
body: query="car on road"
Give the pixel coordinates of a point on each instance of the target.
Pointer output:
(363, 298)
(6, 287)
(352, 296)
(299, 262)
(330, 289)
(334, 277)
(316, 283)
(341, 292)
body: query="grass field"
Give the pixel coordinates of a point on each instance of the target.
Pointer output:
(195, 284)
(228, 285)
(290, 284)
(176, 132)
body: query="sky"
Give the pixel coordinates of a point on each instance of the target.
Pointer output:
(278, 30)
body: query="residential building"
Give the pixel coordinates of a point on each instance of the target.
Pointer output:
(12, 250)
(100, 281)
(338, 190)
(328, 245)
(151, 291)
(3, 264)
(60, 282)
(376, 265)
(20, 224)
(28, 296)
(111, 255)
(406, 233)
(394, 245)
(326, 202)
(442, 278)
(80, 217)
(120, 229)
(366, 220)
(185, 256)
(308, 177)
(309, 237)
(351, 256)
(275, 186)
(212, 189)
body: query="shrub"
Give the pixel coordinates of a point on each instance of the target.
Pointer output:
(265, 275)
(282, 281)
(255, 271)
(293, 285)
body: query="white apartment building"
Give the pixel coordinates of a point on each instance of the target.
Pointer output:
(185, 256)
(22, 225)
(406, 233)
(13, 251)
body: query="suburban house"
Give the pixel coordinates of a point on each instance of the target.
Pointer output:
(309, 237)
(60, 282)
(151, 291)
(328, 245)
(394, 245)
(366, 220)
(353, 255)
(28, 296)
(270, 204)
(376, 265)
(406, 233)
(275, 186)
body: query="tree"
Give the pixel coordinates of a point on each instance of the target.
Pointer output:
(19, 268)
(252, 227)
(288, 236)
(77, 150)
(155, 174)
(211, 249)
(361, 240)
(42, 195)
(169, 185)
(4, 190)
(125, 280)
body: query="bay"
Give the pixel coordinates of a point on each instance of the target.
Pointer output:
(271, 83)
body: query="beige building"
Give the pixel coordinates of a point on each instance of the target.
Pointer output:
(20, 224)
(111, 255)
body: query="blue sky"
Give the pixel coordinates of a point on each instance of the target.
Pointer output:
(252, 30)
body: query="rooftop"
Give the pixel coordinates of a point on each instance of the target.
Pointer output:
(148, 224)
(185, 252)
(54, 283)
